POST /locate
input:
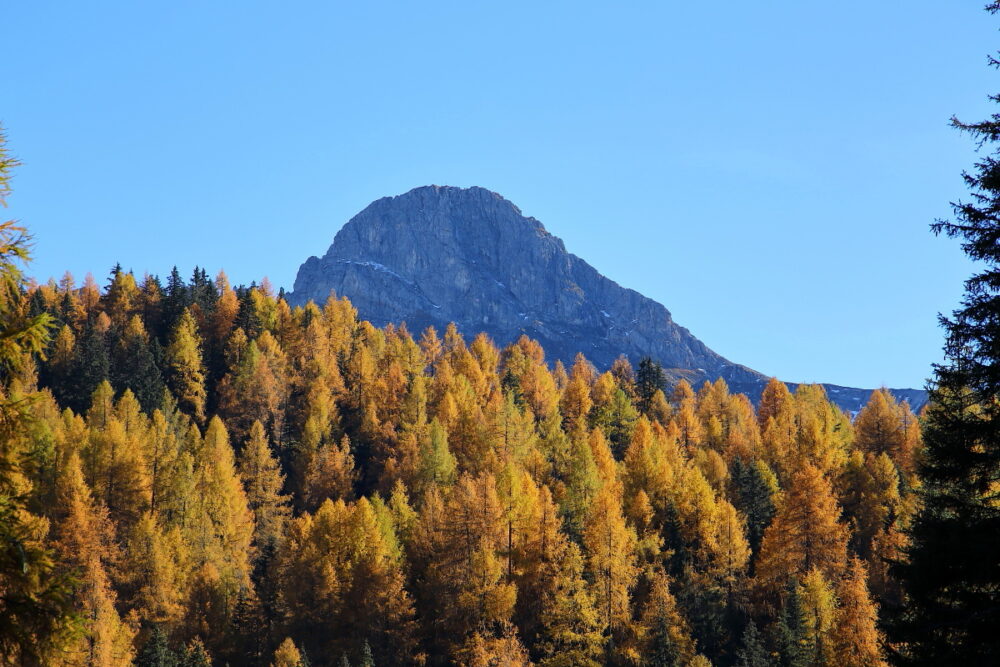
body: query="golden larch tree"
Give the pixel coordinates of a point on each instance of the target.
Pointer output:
(805, 534)
(186, 372)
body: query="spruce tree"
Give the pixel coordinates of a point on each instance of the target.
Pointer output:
(156, 652)
(201, 291)
(752, 653)
(792, 632)
(175, 301)
(952, 577)
(663, 651)
(650, 378)
(134, 366)
(753, 494)
(366, 656)
(90, 367)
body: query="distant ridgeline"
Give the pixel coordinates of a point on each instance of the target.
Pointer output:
(443, 254)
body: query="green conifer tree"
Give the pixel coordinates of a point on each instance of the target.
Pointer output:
(663, 650)
(156, 651)
(752, 653)
(90, 367)
(650, 378)
(952, 579)
(134, 366)
(753, 495)
(792, 631)
(366, 656)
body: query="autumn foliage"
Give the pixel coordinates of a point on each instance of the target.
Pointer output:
(225, 476)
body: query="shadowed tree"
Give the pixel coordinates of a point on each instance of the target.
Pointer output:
(952, 579)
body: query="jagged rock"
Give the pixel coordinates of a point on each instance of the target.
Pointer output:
(467, 255)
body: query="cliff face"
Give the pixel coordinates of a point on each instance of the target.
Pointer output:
(467, 255)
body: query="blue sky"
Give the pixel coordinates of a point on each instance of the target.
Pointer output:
(766, 170)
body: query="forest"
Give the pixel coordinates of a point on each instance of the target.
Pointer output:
(200, 472)
(205, 475)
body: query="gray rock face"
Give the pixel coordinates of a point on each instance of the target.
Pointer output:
(467, 255)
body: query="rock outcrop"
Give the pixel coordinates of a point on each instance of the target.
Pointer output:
(467, 255)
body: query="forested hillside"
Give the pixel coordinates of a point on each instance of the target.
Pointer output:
(212, 475)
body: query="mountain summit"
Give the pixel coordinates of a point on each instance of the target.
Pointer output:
(441, 254)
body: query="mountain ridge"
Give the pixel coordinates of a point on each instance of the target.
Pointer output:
(438, 254)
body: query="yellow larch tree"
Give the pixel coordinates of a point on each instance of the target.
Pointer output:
(113, 458)
(774, 400)
(823, 430)
(885, 426)
(87, 548)
(819, 607)
(221, 527)
(287, 655)
(805, 534)
(555, 610)
(330, 474)
(342, 581)
(610, 554)
(456, 554)
(186, 371)
(155, 571)
(857, 641)
(503, 650)
(263, 481)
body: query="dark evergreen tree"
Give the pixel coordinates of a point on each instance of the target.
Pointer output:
(622, 416)
(247, 318)
(752, 653)
(37, 306)
(366, 656)
(649, 378)
(134, 366)
(152, 308)
(791, 632)
(156, 651)
(175, 300)
(115, 272)
(512, 385)
(752, 496)
(952, 577)
(249, 628)
(201, 290)
(266, 585)
(90, 367)
(678, 554)
(663, 651)
(66, 308)
(706, 608)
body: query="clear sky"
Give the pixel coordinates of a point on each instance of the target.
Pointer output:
(766, 170)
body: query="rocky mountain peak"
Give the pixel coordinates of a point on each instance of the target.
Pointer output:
(440, 254)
